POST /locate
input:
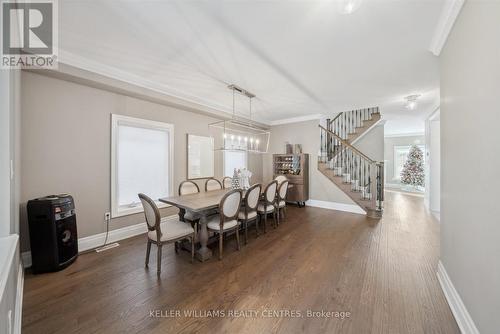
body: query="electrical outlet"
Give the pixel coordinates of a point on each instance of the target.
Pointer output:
(107, 217)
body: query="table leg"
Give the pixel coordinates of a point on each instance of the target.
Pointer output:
(203, 253)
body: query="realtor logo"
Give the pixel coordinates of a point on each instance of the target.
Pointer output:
(29, 34)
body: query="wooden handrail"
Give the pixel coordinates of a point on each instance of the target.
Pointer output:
(348, 145)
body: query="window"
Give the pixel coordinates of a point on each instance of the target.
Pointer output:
(400, 157)
(141, 162)
(232, 160)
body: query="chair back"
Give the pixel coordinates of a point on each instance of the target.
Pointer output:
(188, 187)
(283, 190)
(281, 179)
(152, 214)
(227, 182)
(252, 197)
(229, 205)
(212, 184)
(270, 192)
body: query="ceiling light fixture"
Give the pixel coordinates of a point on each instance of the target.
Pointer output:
(348, 6)
(239, 134)
(411, 101)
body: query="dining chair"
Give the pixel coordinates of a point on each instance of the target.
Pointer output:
(212, 184)
(268, 204)
(281, 201)
(249, 210)
(161, 233)
(227, 219)
(188, 187)
(281, 179)
(227, 182)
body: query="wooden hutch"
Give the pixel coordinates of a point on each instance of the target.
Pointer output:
(296, 169)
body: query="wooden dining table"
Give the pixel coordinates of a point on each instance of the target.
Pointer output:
(202, 204)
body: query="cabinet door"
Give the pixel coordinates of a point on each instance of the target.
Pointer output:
(295, 193)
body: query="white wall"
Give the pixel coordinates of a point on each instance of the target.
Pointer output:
(434, 155)
(470, 161)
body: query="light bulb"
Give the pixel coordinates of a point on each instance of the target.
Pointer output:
(232, 137)
(225, 136)
(257, 141)
(348, 6)
(251, 140)
(246, 139)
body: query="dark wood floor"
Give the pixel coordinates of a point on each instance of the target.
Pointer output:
(382, 273)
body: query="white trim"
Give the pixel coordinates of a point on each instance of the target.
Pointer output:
(26, 259)
(296, 119)
(97, 240)
(462, 316)
(19, 300)
(116, 120)
(449, 14)
(353, 208)
(408, 134)
(380, 122)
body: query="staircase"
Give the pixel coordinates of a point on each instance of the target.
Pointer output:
(360, 177)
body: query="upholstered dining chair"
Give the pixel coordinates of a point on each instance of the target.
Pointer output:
(161, 233)
(185, 188)
(281, 179)
(227, 219)
(212, 184)
(268, 204)
(227, 182)
(249, 210)
(281, 201)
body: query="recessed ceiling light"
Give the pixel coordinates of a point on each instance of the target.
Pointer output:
(348, 6)
(411, 101)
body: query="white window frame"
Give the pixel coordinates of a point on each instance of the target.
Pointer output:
(224, 161)
(117, 120)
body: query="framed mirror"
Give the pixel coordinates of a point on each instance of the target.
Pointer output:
(200, 157)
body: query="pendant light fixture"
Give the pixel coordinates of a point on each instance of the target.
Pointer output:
(239, 134)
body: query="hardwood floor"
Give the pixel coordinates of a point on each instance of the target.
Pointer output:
(383, 273)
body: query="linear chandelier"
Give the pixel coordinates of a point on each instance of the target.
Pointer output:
(239, 134)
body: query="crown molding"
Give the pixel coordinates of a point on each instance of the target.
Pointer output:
(296, 119)
(449, 14)
(408, 134)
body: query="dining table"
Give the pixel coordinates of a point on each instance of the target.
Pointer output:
(202, 204)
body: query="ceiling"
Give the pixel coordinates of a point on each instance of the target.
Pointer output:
(301, 58)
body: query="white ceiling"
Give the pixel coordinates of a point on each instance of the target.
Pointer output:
(299, 57)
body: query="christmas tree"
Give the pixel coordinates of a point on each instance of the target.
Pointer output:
(413, 169)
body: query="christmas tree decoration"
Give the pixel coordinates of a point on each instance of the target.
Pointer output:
(413, 169)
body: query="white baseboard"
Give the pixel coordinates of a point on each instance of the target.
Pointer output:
(336, 206)
(97, 240)
(462, 316)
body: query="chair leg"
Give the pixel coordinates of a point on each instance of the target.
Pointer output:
(246, 231)
(159, 259)
(284, 212)
(192, 247)
(220, 244)
(148, 251)
(176, 247)
(257, 219)
(265, 222)
(238, 237)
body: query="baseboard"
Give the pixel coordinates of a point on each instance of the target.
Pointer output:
(462, 316)
(353, 208)
(97, 240)
(19, 300)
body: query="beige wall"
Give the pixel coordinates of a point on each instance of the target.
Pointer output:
(389, 143)
(66, 135)
(470, 161)
(307, 134)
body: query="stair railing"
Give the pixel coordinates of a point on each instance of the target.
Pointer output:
(346, 122)
(365, 175)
